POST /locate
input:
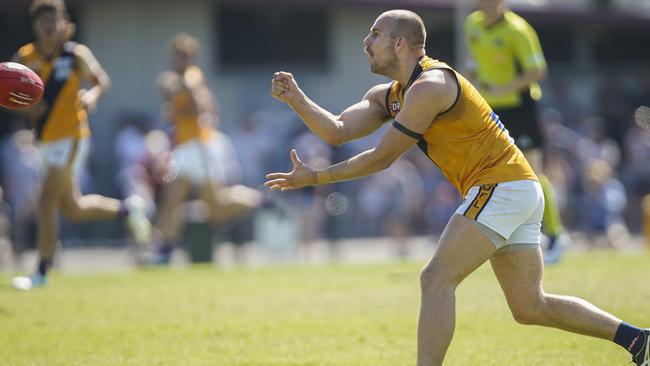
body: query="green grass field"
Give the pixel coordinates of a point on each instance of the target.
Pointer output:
(301, 315)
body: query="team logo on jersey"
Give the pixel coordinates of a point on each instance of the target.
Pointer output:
(63, 68)
(395, 107)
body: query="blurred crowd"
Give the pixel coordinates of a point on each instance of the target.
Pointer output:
(596, 159)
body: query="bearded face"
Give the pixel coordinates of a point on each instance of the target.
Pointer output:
(383, 60)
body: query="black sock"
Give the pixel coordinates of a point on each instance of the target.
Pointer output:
(552, 240)
(44, 266)
(166, 248)
(629, 337)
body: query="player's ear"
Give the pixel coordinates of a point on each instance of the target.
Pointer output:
(400, 42)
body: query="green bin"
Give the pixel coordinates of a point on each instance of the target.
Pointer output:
(198, 238)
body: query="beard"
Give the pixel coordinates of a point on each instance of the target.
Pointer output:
(385, 66)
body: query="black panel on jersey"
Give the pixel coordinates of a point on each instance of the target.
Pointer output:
(53, 87)
(405, 130)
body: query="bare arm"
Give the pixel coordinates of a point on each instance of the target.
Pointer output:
(94, 73)
(425, 99)
(194, 82)
(358, 120)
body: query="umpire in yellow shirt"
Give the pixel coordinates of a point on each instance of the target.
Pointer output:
(506, 63)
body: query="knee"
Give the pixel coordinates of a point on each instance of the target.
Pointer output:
(530, 312)
(434, 277)
(70, 211)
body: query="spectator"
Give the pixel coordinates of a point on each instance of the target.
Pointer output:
(603, 203)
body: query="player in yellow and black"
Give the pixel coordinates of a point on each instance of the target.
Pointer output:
(438, 110)
(60, 123)
(507, 63)
(197, 161)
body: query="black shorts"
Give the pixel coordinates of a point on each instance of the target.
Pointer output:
(522, 123)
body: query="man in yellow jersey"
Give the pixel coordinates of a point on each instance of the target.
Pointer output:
(507, 62)
(61, 127)
(189, 105)
(436, 108)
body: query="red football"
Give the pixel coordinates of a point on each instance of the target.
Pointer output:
(20, 87)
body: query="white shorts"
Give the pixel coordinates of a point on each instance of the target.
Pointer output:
(513, 210)
(199, 162)
(70, 152)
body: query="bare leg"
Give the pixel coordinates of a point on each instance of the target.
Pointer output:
(229, 203)
(169, 220)
(520, 276)
(48, 205)
(462, 248)
(76, 207)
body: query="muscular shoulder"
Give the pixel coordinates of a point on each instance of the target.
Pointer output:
(377, 95)
(437, 86)
(378, 92)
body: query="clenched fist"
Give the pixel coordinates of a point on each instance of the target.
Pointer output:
(284, 88)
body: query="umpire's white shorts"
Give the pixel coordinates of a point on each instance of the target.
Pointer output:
(198, 162)
(68, 152)
(509, 213)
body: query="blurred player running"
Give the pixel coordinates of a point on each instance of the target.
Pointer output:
(196, 163)
(61, 127)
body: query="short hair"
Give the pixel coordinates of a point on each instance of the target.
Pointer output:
(39, 7)
(409, 25)
(184, 43)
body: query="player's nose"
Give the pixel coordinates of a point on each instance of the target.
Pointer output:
(366, 41)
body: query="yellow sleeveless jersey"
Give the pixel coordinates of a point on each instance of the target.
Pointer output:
(188, 126)
(64, 116)
(467, 142)
(501, 52)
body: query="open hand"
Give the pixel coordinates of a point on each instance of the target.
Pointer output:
(299, 177)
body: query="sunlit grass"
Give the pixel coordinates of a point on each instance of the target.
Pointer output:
(302, 315)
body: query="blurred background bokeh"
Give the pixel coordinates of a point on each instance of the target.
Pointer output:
(597, 157)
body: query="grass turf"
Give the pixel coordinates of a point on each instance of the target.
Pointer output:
(303, 315)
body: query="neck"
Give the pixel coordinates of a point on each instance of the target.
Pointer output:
(48, 48)
(405, 69)
(492, 17)
(180, 70)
